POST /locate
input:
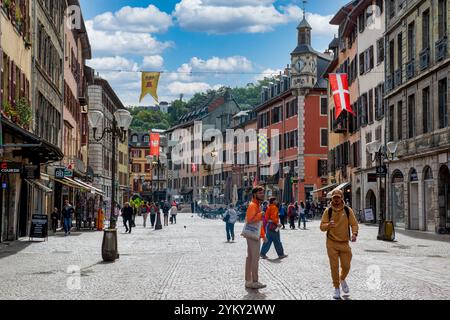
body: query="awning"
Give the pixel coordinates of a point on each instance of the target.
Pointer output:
(71, 183)
(39, 186)
(325, 188)
(42, 150)
(340, 187)
(92, 188)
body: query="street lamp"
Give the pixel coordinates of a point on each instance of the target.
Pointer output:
(121, 122)
(380, 153)
(158, 164)
(214, 155)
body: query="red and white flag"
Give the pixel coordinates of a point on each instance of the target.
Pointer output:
(194, 168)
(341, 94)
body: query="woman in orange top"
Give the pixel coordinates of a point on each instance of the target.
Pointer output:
(254, 214)
(273, 231)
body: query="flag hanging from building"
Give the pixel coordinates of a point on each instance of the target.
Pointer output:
(194, 168)
(154, 144)
(263, 143)
(150, 82)
(341, 94)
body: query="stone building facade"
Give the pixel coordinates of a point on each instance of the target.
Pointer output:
(417, 80)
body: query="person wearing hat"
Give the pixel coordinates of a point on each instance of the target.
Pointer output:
(336, 222)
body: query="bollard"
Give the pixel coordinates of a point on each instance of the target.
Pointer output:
(109, 246)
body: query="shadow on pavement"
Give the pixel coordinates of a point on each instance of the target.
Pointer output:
(254, 294)
(9, 249)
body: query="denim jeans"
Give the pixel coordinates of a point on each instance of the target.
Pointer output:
(229, 227)
(67, 224)
(302, 218)
(274, 237)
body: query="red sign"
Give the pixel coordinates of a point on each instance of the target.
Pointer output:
(194, 168)
(341, 94)
(154, 144)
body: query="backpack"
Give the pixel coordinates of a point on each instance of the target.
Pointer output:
(347, 212)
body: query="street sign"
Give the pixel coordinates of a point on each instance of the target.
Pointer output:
(372, 177)
(10, 167)
(60, 173)
(382, 170)
(31, 172)
(39, 226)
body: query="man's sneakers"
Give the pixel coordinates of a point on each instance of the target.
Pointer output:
(254, 285)
(283, 256)
(344, 286)
(263, 256)
(337, 294)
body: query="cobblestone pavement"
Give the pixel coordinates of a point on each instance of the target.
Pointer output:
(191, 260)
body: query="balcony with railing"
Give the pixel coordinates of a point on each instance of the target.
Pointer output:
(410, 69)
(398, 77)
(389, 83)
(424, 59)
(441, 49)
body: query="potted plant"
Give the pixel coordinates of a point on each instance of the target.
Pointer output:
(27, 41)
(6, 6)
(24, 112)
(19, 19)
(9, 111)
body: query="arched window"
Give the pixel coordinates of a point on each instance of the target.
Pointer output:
(427, 174)
(413, 177)
(397, 177)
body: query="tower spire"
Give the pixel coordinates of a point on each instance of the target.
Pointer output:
(304, 9)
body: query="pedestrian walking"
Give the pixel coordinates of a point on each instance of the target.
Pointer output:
(254, 215)
(308, 208)
(302, 216)
(166, 209)
(133, 216)
(153, 210)
(292, 213)
(127, 215)
(283, 214)
(337, 221)
(173, 213)
(55, 219)
(67, 214)
(273, 230)
(230, 219)
(144, 212)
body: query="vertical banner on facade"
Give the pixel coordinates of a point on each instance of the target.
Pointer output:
(154, 144)
(150, 82)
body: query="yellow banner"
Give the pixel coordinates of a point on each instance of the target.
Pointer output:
(150, 82)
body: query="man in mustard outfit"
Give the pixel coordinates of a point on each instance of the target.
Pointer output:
(337, 225)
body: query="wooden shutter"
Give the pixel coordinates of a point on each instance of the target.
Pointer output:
(9, 81)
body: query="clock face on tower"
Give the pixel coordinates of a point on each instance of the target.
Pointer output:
(300, 65)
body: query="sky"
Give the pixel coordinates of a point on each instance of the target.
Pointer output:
(197, 44)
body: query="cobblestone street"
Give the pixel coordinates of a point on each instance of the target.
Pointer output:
(191, 260)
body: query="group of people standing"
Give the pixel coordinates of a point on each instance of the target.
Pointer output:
(338, 221)
(149, 209)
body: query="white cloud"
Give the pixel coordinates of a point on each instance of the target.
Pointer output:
(243, 16)
(120, 42)
(155, 62)
(268, 73)
(116, 63)
(236, 63)
(128, 19)
(183, 73)
(249, 16)
(190, 88)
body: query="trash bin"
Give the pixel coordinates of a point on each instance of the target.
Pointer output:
(389, 231)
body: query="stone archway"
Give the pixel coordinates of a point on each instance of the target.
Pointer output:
(444, 200)
(371, 203)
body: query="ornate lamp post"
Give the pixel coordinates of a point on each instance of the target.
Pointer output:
(158, 165)
(379, 153)
(121, 122)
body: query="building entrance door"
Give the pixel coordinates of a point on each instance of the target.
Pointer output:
(414, 206)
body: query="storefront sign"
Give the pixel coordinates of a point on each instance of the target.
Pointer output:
(59, 173)
(10, 167)
(31, 172)
(368, 214)
(39, 226)
(382, 170)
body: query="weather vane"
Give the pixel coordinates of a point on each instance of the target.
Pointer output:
(304, 8)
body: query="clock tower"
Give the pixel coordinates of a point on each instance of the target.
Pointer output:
(304, 59)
